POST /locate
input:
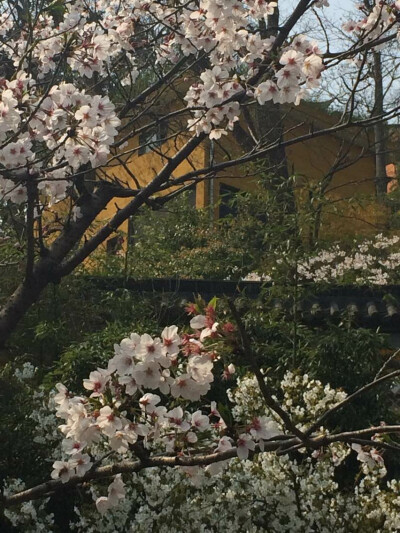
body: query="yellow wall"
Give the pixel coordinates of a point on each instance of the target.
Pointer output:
(350, 207)
(146, 166)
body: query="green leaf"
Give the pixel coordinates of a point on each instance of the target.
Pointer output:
(213, 303)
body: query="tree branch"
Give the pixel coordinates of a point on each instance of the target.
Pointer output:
(264, 388)
(350, 398)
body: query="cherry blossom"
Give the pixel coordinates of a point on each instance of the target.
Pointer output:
(81, 462)
(116, 491)
(263, 428)
(132, 428)
(97, 381)
(108, 422)
(229, 372)
(200, 421)
(63, 470)
(171, 340)
(244, 445)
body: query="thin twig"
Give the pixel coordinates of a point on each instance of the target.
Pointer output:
(264, 388)
(386, 364)
(349, 399)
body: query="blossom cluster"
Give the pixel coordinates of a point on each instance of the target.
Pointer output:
(90, 46)
(300, 67)
(373, 261)
(272, 486)
(375, 22)
(232, 46)
(304, 398)
(119, 414)
(73, 126)
(32, 518)
(52, 130)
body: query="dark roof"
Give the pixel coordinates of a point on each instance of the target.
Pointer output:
(362, 306)
(367, 307)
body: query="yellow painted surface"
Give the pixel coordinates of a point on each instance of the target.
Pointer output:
(146, 166)
(350, 208)
(342, 160)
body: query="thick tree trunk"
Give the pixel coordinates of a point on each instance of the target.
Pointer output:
(46, 269)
